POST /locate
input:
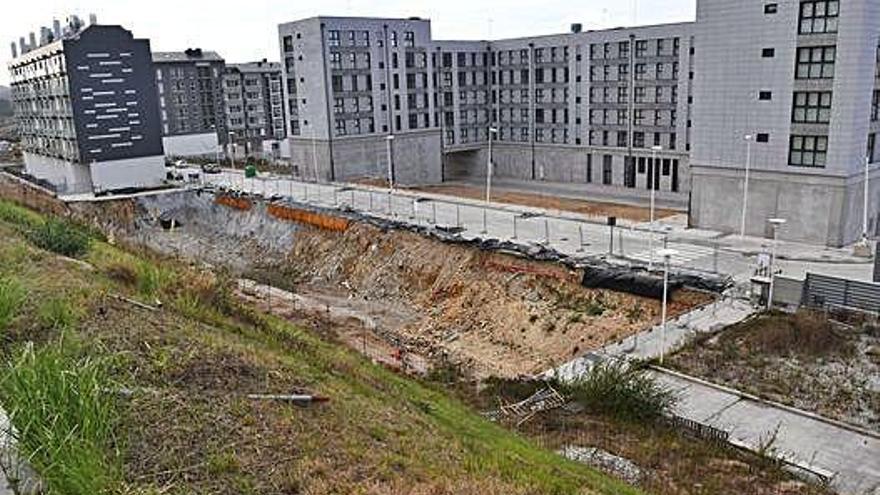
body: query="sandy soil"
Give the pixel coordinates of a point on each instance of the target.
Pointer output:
(493, 314)
(594, 208)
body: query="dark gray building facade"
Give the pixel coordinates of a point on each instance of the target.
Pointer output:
(87, 108)
(191, 102)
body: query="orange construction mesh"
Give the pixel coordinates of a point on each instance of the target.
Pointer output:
(319, 220)
(237, 203)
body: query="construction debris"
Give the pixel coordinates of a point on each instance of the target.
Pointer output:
(614, 465)
(545, 399)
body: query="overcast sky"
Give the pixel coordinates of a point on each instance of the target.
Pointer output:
(247, 30)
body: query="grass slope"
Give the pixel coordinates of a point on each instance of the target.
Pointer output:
(170, 414)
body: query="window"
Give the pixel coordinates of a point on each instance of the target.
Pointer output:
(765, 95)
(875, 107)
(288, 43)
(768, 52)
(771, 8)
(808, 151)
(409, 39)
(333, 38)
(641, 48)
(340, 127)
(762, 138)
(812, 107)
(394, 38)
(607, 170)
(335, 60)
(819, 16)
(872, 148)
(816, 62)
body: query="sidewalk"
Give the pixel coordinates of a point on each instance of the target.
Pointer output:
(851, 459)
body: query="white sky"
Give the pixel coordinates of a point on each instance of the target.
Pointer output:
(244, 31)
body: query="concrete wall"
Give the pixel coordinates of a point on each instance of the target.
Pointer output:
(417, 158)
(68, 177)
(206, 144)
(144, 172)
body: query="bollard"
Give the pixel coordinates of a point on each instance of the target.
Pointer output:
(458, 216)
(514, 226)
(580, 248)
(547, 231)
(370, 193)
(485, 229)
(434, 212)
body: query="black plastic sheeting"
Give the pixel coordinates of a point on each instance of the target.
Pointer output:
(627, 280)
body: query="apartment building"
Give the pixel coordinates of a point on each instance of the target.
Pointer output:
(800, 78)
(620, 111)
(191, 101)
(360, 98)
(557, 104)
(86, 104)
(254, 108)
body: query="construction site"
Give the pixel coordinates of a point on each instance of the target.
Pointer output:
(223, 302)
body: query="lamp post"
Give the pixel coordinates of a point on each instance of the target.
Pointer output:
(490, 165)
(775, 223)
(489, 169)
(315, 152)
(232, 149)
(654, 180)
(745, 202)
(667, 255)
(867, 203)
(389, 140)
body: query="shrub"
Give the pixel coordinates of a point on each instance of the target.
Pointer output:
(621, 391)
(12, 296)
(63, 419)
(61, 237)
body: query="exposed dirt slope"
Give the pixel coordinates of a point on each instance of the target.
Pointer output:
(493, 313)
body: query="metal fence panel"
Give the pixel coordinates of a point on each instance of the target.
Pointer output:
(823, 291)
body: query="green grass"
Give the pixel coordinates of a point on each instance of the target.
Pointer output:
(12, 295)
(57, 313)
(63, 416)
(62, 237)
(56, 396)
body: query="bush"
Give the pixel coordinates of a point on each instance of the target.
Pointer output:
(12, 296)
(63, 419)
(621, 391)
(61, 237)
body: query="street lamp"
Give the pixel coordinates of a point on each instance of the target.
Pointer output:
(315, 152)
(489, 170)
(867, 203)
(745, 202)
(667, 255)
(231, 149)
(776, 223)
(489, 165)
(389, 140)
(654, 180)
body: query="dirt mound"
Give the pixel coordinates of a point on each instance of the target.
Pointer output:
(492, 313)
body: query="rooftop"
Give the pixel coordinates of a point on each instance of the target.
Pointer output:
(188, 55)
